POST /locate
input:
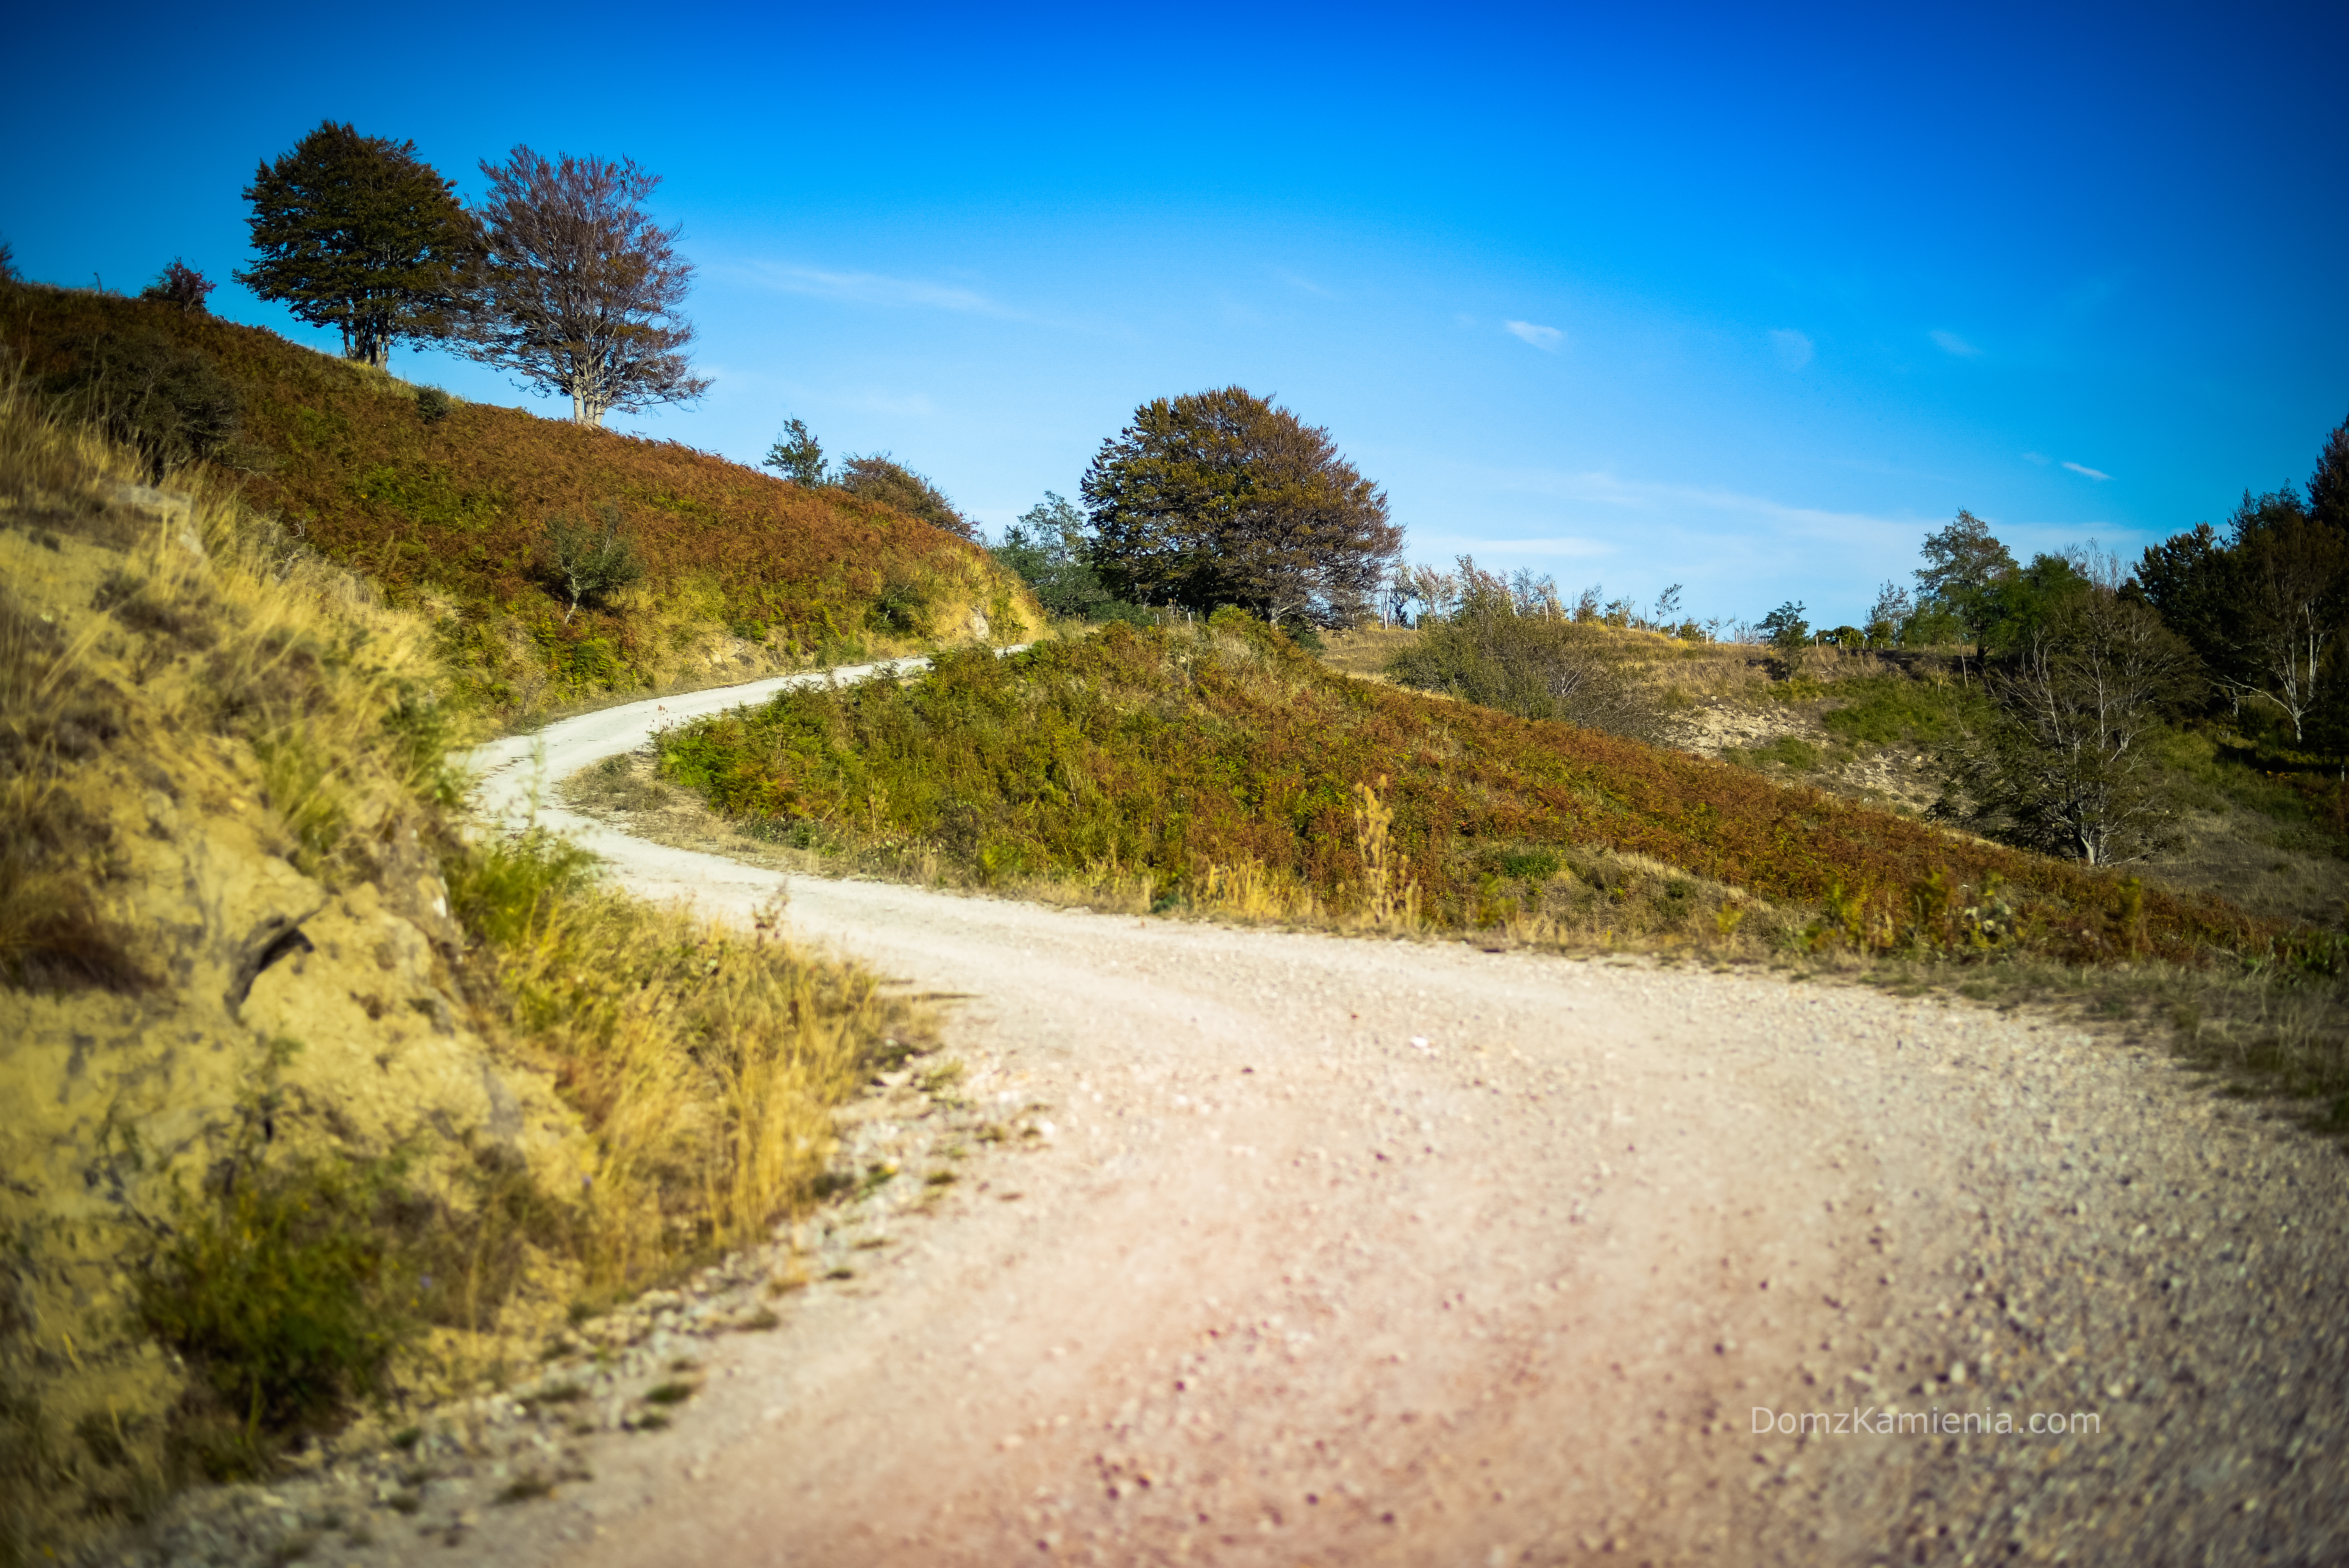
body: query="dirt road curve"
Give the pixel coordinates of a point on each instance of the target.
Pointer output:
(1352, 1252)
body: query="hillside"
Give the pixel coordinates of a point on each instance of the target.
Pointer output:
(2266, 832)
(1195, 761)
(445, 505)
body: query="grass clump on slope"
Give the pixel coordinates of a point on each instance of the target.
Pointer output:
(705, 1061)
(452, 507)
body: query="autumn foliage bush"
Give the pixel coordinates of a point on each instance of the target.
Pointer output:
(1176, 754)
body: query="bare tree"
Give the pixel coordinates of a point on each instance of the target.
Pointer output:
(1509, 643)
(2295, 571)
(2065, 768)
(580, 288)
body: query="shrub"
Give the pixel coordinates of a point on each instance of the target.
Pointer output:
(880, 477)
(182, 286)
(502, 887)
(289, 1291)
(169, 400)
(1526, 658)
(587, 565)
(1184, 756)
(432, 403)
(1890, 710)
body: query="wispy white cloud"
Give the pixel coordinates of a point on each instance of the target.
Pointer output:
(1546, 338)
(2042, 459)
(1950, 343)
(875, 288)
(1307, 284)
(1460, 545)
(2084, 469)
(1793, 347)
(1685, 505)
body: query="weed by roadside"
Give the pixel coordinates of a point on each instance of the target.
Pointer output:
(706, 1063)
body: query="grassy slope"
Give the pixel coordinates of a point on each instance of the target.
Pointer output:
(2264, 833)
(1184, 756)
(449, 516)
(264, 1156)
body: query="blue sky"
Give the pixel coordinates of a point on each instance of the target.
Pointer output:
(1748, 302)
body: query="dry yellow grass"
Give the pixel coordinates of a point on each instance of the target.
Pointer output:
(707, 1063)
(225, 820)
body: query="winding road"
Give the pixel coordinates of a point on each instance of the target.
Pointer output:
(1325, 1249)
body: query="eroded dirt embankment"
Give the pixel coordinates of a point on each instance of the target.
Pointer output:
(193, 974)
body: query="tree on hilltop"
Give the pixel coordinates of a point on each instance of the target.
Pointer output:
(1965, 565)
(1785, 629)
(180, 285)
(2266, 603)
(1222, 497)
(358, 233)
(580, 291)
(798, 456)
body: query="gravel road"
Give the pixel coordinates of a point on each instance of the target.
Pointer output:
(1312, 1250)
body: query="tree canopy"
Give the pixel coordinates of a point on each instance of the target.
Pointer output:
(1963, 566)
(357, 233)
(1222, 497)
(580, 291)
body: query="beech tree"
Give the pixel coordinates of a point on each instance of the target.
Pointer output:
(1222, 497)
(358, 233)
(580, 291)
